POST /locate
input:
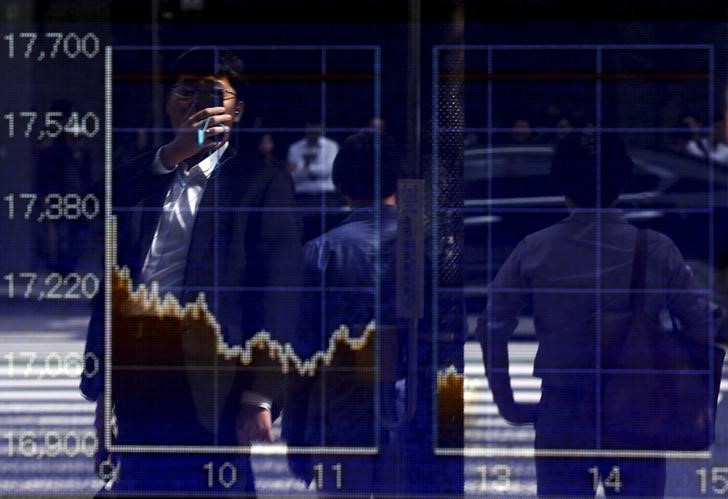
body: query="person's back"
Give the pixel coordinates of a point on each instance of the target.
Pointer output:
(344, 259)
(342, 264)
(310, 161)
(567, 261)
(583, 277)
(349, 282)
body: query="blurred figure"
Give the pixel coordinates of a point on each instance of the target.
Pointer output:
(551, 115)
(310, 160)
(377, 124)
(591, 251)
(133, 145)
(713, 147)
(564, 126)
(335, 407)
(521, 132)
(691, 135)
(579, 118)
(720, 449)
(63, 166)
(266, 151)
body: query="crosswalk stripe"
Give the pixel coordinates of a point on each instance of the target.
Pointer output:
(41, 395)
(43, 421)
(481, 383)
(58, 485)
(47, 408)
(481, 396)
(25, 384)
(32, 401)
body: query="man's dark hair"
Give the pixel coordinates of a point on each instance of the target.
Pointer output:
(201, 62)
(575, 166)
(354, 171)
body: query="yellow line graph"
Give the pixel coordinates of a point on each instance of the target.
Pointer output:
(144, 302)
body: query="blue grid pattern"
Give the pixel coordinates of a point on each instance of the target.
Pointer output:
(323, 209)
(489, 209)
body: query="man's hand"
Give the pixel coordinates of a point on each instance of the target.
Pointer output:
(184, 145)
(254, 424)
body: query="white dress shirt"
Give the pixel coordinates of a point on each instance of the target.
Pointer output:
(705, 148)
(167, 257)
(313, 175)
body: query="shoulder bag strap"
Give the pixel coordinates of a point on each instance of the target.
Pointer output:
(639, 272)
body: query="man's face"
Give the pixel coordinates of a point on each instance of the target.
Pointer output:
(312, 133)
(192, 93)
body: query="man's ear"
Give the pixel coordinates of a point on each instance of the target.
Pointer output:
(239, 110)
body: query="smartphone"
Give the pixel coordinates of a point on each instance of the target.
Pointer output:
(207, 99)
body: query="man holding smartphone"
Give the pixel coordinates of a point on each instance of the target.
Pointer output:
(192, 219)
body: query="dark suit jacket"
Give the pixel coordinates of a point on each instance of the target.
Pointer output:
(244, 254)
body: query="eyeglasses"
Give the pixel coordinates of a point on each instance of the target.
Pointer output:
(186, 91)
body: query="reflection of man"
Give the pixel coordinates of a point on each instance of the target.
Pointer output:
(557, 270)
(336, 407)
(310, 160)
(193, 219)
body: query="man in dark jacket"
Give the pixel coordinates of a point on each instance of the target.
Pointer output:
(198, 225)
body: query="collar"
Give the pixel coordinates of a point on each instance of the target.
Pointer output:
(208, 165)
(388, 211)
(589, 216)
